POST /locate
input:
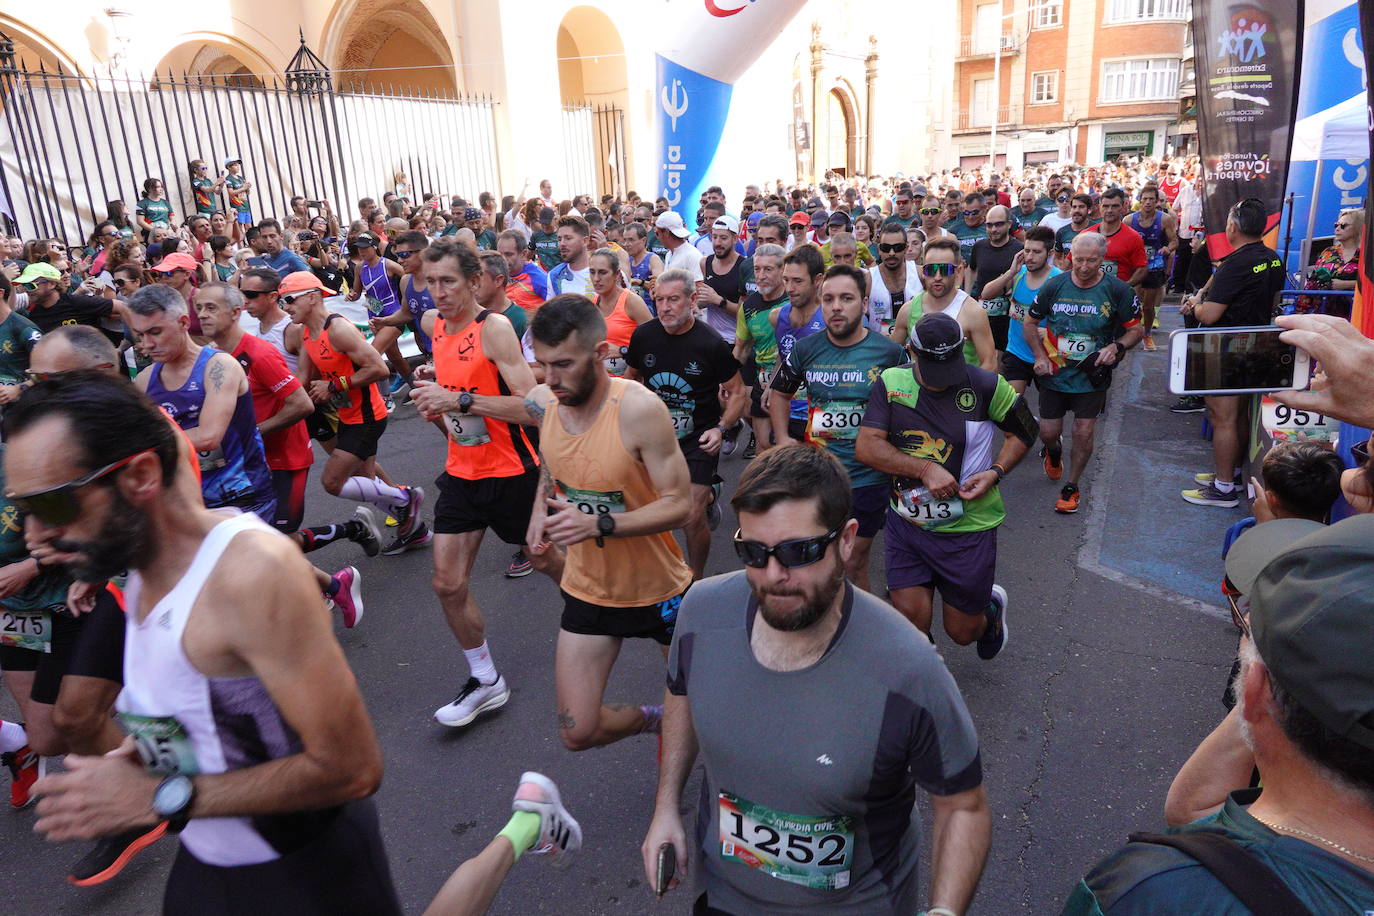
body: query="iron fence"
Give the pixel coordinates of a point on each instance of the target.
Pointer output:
(72, 143)
(594, 139)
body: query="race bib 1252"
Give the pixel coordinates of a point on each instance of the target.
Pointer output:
(813, 851)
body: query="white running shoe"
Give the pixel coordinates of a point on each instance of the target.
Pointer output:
(560, 837)
(474, 699)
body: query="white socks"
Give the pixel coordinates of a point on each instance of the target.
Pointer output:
(12, 737)
(374, 491)
(481, 665)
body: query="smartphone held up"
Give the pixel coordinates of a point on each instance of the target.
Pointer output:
(1221, 361)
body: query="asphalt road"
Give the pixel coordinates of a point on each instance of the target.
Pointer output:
(1113, 673)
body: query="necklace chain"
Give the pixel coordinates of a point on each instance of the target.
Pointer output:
(1344, 850)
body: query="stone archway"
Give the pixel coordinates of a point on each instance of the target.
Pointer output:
(594, 87)
(211, 54)
(842, 133)
(385, 45)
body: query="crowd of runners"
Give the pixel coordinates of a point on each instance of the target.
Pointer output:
(884, 357)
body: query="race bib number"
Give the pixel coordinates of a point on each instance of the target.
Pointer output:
(1018, 311)
(26, 630)
(211, 460)
(1287, 424)
(374, 306)
(595, 502)
(835, 420)
(682, 422)
(811, 851)
(1077, 346)
(616, 366)
(162, 743)
(766, 374)
(917, 505)
(996, 306)
(466, 430)
(1109, 268)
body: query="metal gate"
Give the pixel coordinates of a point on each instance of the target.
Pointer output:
(594, 140)
(73, 143)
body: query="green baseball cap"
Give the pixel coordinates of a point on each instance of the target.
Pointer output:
(1312, 617)
(38, 271)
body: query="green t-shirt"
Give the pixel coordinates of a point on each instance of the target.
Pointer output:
(486, 240)
(1143, 878)
(967, 235)
(545, 245)
(18, 336)
(1064, 236)
(838, 380)
(518, 319)
(1027, 220)
(1079, 322)
(753, 327)
(238, 200)
(957, 428)
(157, 212)
(203, 190)
(50, 587)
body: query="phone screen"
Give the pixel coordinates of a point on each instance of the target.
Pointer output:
(1238, 360)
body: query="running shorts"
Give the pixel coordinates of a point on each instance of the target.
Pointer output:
(649, 621)
(870, 508)
(1084, 405)
(959, 566)
(1016, 369)
(1154, 279)
(502, 504)
(700, 465)
(360, 439)
(91, 645)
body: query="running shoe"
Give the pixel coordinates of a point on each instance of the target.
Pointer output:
(26, 768)
(391, 521)
(110, 854)
(560, 837)
(994, 638)
(369, 536)
(1207, 477)
(713, 513)
(1189, 403)
(408, 516)
(390, 403)
(1209, 495)
(474, 699)
(1054, 464)
(751, 450)
(731, 439)
(1067, 503)
(1155, 325)
(397, 383)
(349, 598)
(1149, 343)
(421, 537)
(520, 566)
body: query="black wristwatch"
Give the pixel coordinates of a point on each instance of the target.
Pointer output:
(464, 402)
(172, 800)
(605, 527)
(1000, 471)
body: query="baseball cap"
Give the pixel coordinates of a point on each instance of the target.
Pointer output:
(472, 213)
(819, 218)
(839, 218)
(301, 280)
(365, 240)
(938, 342)
(726, 222)
(547, 214)
(755, 218)
(799, 219)
(230, 160)
(1310, 609)
(177, 260)
(671, 220)
(1262, 544)
(38, 270)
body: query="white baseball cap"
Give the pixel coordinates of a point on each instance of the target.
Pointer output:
(671, 220)
(726, 222)
(230, 160)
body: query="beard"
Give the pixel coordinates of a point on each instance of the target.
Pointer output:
(849, 327)
(125, 535)
(576, 393)
(815, 602)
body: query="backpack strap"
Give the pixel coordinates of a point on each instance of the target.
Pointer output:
(1252, 882)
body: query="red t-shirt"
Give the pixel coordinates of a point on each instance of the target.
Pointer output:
(1125, 251)
(271, 383)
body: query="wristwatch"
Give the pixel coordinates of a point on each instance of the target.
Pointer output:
(605, 526)
(464, 402)
(172, 801)
(1000, 471)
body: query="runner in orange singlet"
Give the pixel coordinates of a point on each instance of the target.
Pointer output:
(616, 486)
(342, 369)
(492, 470)
(622, 309)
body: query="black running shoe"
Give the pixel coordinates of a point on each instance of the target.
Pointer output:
(994, 638)
(369, 536)
(1189, 403)
(110, 854)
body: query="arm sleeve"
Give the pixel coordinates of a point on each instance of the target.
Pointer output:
(787, 379)
(878, 412)
(1012, 414)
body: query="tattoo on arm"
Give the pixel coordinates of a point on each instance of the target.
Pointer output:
(546, 478)
(534, 409)
(217, 374)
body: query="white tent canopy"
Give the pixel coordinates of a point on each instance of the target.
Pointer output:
(1339, 132)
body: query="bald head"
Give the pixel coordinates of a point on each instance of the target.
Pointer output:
(998, 223)
(73, 346)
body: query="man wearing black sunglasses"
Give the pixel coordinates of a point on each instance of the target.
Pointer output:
(834, 832)
(258, 750)
(990, 258)
(893, 281)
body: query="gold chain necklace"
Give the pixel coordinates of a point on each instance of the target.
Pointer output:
(1343, 850)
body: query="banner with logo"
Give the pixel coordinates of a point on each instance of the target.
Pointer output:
(1249, 54)
(709, 45)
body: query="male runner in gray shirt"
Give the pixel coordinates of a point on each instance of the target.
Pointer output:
(818, 711)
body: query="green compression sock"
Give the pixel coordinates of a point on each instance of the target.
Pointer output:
(522, 830)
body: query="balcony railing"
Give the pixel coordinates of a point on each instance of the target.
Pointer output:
(972, 47)
(981, 118)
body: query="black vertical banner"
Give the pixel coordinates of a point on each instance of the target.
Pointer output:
(1363, 315)
(1249, 55)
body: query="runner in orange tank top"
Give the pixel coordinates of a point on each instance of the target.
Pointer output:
(342, 369)
(623, 310)
(492, 469)
(615, 487)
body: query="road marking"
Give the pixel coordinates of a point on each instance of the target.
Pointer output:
(1090, 554)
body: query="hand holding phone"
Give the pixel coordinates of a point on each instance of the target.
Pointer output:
(1226, 361)
(667, 868)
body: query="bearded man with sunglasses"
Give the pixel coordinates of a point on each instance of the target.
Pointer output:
(247, 733)
(768, 669)
(891, 282)
(942, 271)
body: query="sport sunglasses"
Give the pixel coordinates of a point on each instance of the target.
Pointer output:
(58, 505)
(931, 211)
(886, 248)
(791, 554)
(939, 270)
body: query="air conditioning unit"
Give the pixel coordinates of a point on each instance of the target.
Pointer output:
(1008, 42)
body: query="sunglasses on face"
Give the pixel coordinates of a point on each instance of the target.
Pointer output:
(289, 298)
(887, 248)
(993, 224)
(1060, 200)
(1341, 225)
(930, 211)
(123, 281)
(970, 212)
(790, 554)
(938, 270)
(402, 255)
(32, 285)
(58, 505)
(109, 235)
(255, 293)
